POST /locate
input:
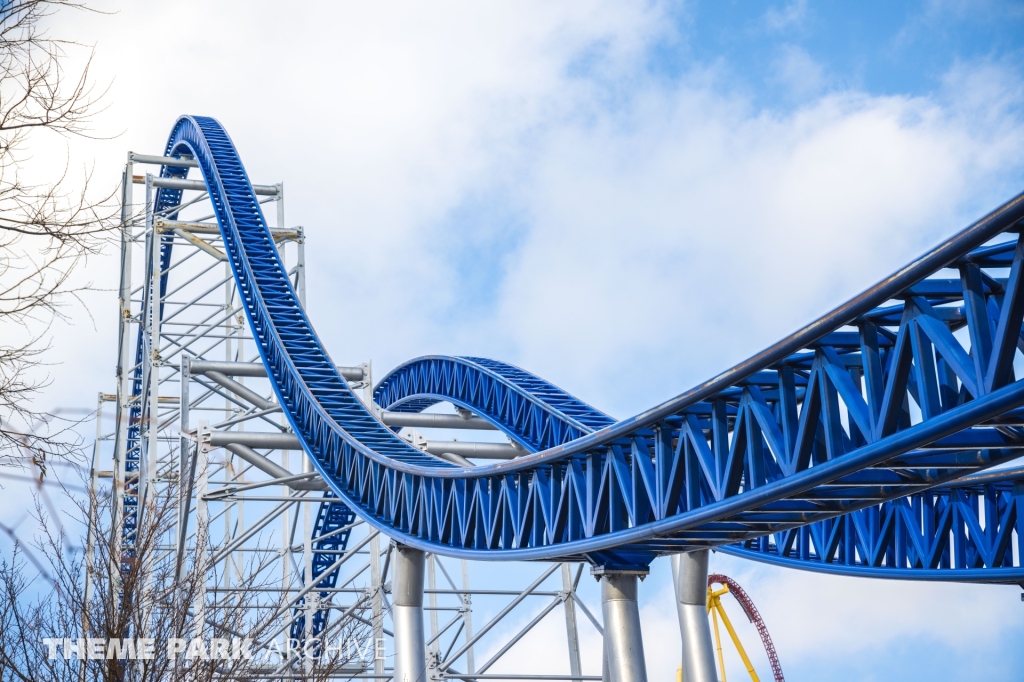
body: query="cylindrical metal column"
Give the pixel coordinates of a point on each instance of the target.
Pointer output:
(623, 644)
(690, 573)
(407, 614)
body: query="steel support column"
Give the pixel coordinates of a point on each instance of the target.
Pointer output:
(571, 630)
(623, 644)
(690, 575)
(407, 614)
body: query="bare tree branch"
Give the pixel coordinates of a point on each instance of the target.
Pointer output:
(47, 231)
(135, 595)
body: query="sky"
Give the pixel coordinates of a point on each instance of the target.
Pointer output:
(625, 198)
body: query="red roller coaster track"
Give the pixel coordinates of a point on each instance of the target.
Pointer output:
(754, 617)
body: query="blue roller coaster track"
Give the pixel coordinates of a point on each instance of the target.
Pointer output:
(905, 538)
(851, 446)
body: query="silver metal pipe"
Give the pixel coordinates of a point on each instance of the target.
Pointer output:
(474, 450)
(201, 245)
(187, 162)
(571, 629)
(162, 224)
(690, 575)
(407, 614)
(259, 461)
(522, 633)
(436, 421)
(181, 183)
(455, 459)
(256, 369)
(266, 441)
(272, 468)
(623, 644)
(289, 441)
(241, 391)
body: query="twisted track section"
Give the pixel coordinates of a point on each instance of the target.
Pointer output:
(333, 527)
(533, 412)
(874, 401)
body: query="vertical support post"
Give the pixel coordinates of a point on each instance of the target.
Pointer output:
(124, 371)
(407, 614)
(300, 267)
(202, 529)
(690, 575)
(146, 482)
(286, 538)
(571, 629)
(287, 531)
(367, 383)
(147, 478)
(467, 618)
(280, 205)
(312, 597)
(230, 410)
(377, 602)
(90, 542)
(623, 643)
(239, 334)
(186, 467)
(435, 647)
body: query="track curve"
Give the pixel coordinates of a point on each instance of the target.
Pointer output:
(959, 532)
(730, 460)
(533, 412)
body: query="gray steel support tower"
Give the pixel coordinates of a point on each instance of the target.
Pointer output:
(623, 641)
(209, 425)
(690, 576)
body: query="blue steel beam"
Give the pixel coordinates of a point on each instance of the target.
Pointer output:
(331, 518)
(962, 532)
(849, 401)
(959, 532)
(536, 414)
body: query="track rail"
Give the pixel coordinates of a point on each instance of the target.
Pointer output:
(876, 400)
(959, 532)
(962, 532)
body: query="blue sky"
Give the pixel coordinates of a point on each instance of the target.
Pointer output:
(883, 48)
(878, 47)
(624, 197)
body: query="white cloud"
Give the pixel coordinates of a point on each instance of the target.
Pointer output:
(791, 14)
(654, 239)
(797, 72)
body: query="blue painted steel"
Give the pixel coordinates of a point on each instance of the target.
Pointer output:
(535, 413)
(962, 532)
(331, 518)
(958, 532)
(876, 400)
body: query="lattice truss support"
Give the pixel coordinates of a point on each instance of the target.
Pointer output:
(198, 426)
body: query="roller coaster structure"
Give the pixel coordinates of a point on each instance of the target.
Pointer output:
(855, 445)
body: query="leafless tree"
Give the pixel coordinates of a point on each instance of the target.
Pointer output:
(47, 229)
(118, 590)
